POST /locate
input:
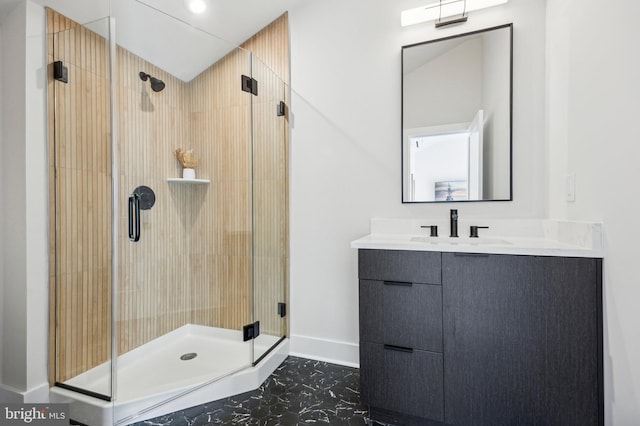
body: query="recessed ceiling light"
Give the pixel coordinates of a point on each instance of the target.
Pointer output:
(196, 6)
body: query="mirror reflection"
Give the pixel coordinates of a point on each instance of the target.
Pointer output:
(456, 118)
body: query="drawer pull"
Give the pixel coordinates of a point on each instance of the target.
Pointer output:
(398, 348)
(398, 283)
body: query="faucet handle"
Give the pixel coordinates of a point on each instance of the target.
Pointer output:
(473, 230)
(434, 229)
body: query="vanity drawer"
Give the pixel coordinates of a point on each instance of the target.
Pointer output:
(404, 381)
(400, 265)
(401, 314)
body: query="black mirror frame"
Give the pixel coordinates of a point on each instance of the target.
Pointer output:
(510, 27)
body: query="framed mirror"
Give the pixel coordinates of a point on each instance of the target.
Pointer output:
(457, 118)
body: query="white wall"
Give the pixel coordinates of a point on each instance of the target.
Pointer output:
(593, 103)
(25, 200)
(428, 101)
(495, 89)
(14, 319)
(345, 148)
(37, 201)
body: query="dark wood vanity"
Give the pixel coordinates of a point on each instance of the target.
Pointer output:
(480, 339)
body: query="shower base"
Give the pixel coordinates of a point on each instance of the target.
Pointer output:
(153, 380)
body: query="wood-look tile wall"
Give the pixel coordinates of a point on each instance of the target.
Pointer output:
(220, 123)
(193, 261)
(153, 273)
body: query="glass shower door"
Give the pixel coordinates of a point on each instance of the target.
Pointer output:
(80, 199)
(270, 207)
(184, 243)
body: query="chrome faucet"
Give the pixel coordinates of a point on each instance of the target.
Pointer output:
(453, 221)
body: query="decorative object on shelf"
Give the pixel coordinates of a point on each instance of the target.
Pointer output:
(188, 162)
(188, 173)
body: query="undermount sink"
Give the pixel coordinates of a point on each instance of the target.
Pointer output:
(460, 241)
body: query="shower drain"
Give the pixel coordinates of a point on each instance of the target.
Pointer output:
(189, 356)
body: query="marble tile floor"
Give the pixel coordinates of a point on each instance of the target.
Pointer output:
(300, 391)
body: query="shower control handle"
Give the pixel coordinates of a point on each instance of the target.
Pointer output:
(134, 217)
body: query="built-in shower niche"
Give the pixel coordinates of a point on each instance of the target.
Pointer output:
(211, 255)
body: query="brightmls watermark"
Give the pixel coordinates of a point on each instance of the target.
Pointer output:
(34, 414)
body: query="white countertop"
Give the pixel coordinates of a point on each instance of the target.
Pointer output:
(518, 237)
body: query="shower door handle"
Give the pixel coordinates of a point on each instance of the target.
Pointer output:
(134, 217)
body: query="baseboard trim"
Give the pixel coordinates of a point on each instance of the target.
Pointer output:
(10, 395)
(341, 353)
(36, 395)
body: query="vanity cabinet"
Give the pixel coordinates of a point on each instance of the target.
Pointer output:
(481, 339)
(401, 360)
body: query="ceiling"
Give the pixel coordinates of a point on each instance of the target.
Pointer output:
(164, 33)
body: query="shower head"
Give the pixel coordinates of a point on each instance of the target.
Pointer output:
(156, 84)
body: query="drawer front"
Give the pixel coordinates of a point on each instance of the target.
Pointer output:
(398, 314)
(409, 382)
(400, 265)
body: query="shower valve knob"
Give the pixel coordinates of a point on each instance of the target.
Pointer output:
(147, 197)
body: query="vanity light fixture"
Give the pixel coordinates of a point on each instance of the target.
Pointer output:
(445, 9)
(196, 6)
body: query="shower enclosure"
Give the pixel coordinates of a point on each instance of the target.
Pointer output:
(162, 285)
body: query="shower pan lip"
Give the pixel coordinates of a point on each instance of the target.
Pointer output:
(239, 379)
